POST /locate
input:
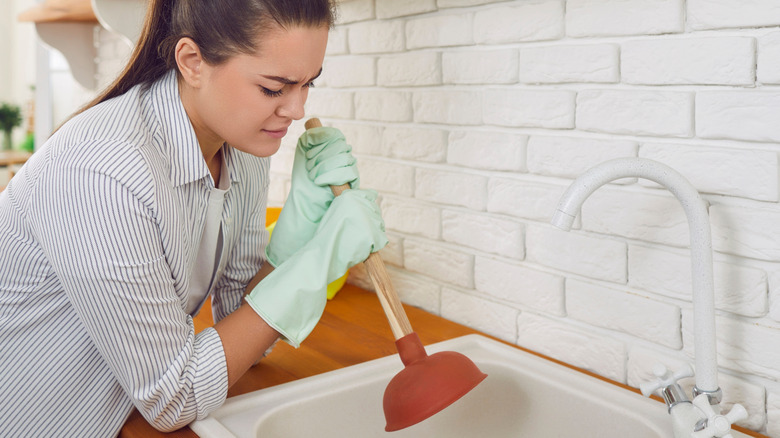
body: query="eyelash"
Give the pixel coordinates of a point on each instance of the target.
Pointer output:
(277, 93)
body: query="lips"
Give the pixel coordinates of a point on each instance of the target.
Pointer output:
(276, 133)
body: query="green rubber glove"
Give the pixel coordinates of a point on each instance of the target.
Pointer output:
(291, 299)
(322, 158)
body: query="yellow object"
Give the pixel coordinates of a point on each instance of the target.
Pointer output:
(333, 287)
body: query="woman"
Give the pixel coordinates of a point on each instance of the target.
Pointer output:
(153, 198)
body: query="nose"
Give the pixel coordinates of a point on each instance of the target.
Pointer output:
(292, 107)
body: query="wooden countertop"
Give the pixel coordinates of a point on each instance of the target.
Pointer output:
(352, 330)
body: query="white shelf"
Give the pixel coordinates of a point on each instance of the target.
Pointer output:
(69, 27)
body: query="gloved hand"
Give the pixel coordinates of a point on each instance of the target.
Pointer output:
(322, 159)
(291, 299)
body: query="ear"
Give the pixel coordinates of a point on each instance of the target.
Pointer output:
(189, 60)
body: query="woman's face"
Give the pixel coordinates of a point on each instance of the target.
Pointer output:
(250, 100)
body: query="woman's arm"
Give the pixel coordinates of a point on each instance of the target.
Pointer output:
(245, 335)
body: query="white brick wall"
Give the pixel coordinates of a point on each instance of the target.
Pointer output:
(705, 61)
(471, 117)
(529, 108)
(575, 63)
(587, 18)
(718, 14)
(637, 112)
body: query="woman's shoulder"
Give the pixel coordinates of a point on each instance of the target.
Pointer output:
(105, 139)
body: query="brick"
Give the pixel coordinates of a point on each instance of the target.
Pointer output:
(492, 318)
(411, 217)
(393, 252)
(409, 69)
(746, 347)
(484, 233)
(571, 344)
(629, 17)
(461, 3)
(282, 160)
(448, 107)
(416, 144)
(751, 173)
(773, 273)
(718, 14)
(570, 63)
(328, 103)
(660, 113)
(386, 177)
(738, 289)
(337, 42)
(400, 8)
(439, 262)
(527, 21)
(350, 11)
(376, 37)
(739, 115)
(680, 61)
(439, 31)
(624, 311)
(773, 413)
(348, 71)
(416, 291)
(553, 109)
(746, 231)
(768, 71)
(526, 287)
(593, 257)
(385, 106)
(569, 157)
(650, 216)
(451, 188)
(487, 150)
(362, 138)
(480, 67)
(524, 199)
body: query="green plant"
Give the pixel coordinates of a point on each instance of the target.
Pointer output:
(10, 118)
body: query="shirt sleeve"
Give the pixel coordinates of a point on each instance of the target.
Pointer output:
(100, 234)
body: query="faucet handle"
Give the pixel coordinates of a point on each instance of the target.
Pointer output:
(718, 426)
(664, 378)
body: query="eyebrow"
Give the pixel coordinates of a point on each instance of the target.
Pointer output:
(287, 81)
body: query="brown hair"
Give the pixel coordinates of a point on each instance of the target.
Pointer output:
(220, 28)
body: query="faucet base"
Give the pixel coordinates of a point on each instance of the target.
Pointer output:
(715, 397)
(673, 395)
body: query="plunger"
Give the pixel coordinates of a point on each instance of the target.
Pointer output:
(427, 384)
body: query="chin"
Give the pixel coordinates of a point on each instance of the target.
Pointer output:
(262, 148)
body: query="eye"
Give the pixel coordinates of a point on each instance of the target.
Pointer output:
(309, 85)
(271, 93)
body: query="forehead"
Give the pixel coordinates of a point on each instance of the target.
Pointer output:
(295, 53)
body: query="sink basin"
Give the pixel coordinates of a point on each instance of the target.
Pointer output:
(523, 396)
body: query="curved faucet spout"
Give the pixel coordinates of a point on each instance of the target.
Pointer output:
(701, 245)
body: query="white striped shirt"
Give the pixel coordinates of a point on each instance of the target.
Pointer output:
(98, 236)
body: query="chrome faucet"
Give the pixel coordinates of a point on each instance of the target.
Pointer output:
(690, 418)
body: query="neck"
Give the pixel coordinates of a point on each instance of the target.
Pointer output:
(214, 164)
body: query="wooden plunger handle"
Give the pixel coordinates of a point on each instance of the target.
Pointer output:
(399, 322)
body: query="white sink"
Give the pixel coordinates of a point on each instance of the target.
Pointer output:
(523, 396)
